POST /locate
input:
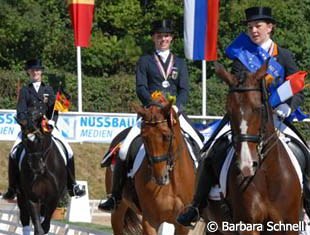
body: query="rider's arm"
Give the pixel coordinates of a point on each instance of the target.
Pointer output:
(142, 88)
(22, 108)
(183, 86)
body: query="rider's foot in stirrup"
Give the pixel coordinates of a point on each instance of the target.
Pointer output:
(189, 217)
(77, 190)
(109, 205)
(9, 195)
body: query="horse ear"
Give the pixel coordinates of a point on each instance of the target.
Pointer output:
(222, 73)
(262, 71)
(139, 109)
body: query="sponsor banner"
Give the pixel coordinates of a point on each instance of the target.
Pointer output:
(74, 127)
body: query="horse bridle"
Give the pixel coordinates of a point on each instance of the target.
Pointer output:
(38, 154)
(167, 157)
(260, 138)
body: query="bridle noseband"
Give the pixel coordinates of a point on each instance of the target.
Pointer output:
(260, 139)
(167, 157)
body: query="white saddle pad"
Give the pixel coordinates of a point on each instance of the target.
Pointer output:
(220, 190)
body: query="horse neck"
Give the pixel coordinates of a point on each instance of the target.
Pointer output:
(179, 145)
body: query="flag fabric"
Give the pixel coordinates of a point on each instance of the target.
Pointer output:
(81, 13)
(253, 57)
(201, 29)
(293, 84)
(62, 102)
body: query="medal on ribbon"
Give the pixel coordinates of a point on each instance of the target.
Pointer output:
(165, 74)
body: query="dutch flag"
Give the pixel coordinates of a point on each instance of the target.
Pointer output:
(200, 29)
(293, 84)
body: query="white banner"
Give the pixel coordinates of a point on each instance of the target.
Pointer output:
(85, 127)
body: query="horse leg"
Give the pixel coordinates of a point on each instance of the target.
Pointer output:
(23, 214)
(46, 224)
(180, 229)
(118, 218)
(35, 209)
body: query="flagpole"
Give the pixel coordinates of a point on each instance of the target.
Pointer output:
(79, 75)
(204, 89)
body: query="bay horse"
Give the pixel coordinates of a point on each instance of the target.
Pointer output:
(165, 181)
(262, 186)
(42, 177)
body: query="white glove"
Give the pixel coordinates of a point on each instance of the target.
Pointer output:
(51, 123)
(176, 109)
(283, 110)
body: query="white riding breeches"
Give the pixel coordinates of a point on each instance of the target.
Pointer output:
(55, 133)
(135, 131)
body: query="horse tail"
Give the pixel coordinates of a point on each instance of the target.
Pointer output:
(132, 223)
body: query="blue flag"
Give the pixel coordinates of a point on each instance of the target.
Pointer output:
(253, 57)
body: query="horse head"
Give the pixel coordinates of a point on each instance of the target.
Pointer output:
(35, 141)
(249, 114)
(158, 133)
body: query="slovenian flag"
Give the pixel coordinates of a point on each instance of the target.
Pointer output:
(200, 29)
(293, 84)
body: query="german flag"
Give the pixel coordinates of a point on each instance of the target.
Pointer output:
(62, 101)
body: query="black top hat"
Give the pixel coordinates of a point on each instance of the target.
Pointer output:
(162, 26)
(258, 13)
(34, 64)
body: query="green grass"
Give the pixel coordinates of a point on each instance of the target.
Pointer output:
(87, 166)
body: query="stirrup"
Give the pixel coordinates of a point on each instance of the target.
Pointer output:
(79, 190)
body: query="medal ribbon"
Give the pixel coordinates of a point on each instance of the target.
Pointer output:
(164, 73)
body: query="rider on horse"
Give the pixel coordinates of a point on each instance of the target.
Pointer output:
(248, 53)
(40, 98)
(160, 71)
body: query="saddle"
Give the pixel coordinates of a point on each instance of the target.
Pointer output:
(221, 149)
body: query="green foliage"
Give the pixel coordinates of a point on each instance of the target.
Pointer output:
(120, 34)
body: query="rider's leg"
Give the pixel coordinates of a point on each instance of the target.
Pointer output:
(13, 180)
(118, 182)
(74, 189)
(205, 181)
(13, 170)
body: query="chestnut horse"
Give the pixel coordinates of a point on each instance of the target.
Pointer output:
(164, 183)
(42, 177)
(263, 186)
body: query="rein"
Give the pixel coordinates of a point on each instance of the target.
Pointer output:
(39, 154)
(167, 157)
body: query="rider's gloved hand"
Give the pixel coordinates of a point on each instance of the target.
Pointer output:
(51, 123)
(283, 110)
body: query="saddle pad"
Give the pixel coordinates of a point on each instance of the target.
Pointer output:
(219, 191)
(141, 154)
(138, 161)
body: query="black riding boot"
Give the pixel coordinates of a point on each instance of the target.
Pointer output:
(200, 201)
(118, 182)
(13, 179)
(74, 189)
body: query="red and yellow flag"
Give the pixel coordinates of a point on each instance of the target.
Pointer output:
(62, 101)
(81, 13)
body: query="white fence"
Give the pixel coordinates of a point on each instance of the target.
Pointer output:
(10, 224)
